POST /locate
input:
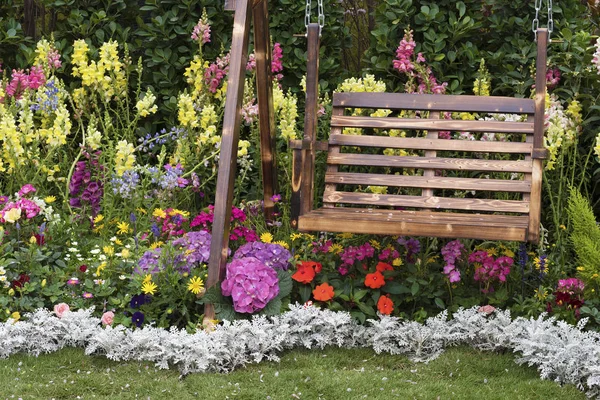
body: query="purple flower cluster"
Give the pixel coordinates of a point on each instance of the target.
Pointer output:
(150, 141)
(352, 253)
(412, 246)
(250, 283)
(86, 187)
(48, 101)
(271, 254)
(149, 263)
(489, 269)
(196, 249)
(172, 178)
(452, 252)
(126, 184)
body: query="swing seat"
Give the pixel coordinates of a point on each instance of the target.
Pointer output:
(436, 187)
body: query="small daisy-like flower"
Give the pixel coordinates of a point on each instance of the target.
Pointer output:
(125, 253)
(335, 248)
(50, 199)
(196, 285)
(99, 218)
(108, 250)
(149, 287)
(156, 245)
(158, 213)
(295, 236)
(123, 228)
(87, 295)
(99, 281)
(266, 237)
(283, 244)
(73, 281)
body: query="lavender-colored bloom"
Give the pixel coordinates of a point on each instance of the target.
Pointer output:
(148, 263)
(271, 254)
(138, 318)
(155, 230)
(412, 245)
(125, 185)
(172, 178)
(250, 283)
(196, 250)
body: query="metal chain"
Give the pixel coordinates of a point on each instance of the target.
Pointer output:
(308, 11)
(536, 21)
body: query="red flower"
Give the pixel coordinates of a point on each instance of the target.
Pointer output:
(23, 279)
(375, 280)
(83, 267)
(385, 305)
(313, 264)
(304, 274)
(40, 239)
(381, 266)
(323, 292)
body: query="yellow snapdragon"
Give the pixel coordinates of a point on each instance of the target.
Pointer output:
(187, 113)
(287, 117)
(124, 159)
(146, 105)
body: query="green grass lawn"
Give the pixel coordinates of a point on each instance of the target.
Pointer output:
(460, 373)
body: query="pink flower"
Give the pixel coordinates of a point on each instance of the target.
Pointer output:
(486, 309)
(73, 281)
(61, 309)
(26, 189)
(107, 318)
(201, 31)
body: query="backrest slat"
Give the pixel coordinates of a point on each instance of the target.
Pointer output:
(433, 102)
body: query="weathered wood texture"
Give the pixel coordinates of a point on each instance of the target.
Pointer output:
(498, 182)
(266, 115)
(232, 120)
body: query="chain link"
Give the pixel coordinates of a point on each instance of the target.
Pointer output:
(308, 12)
(535, 24)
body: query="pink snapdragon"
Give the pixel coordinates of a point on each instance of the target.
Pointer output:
(54, 59)
(201, 31)
(451, 253)
(276, 61)
(596, 58)
(404, 53)
(552, 78)
(216, 72)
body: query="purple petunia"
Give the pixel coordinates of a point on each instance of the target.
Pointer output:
(271, 254)
(250, 283)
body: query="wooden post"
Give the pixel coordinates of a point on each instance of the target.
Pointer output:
(310, 118)
(229, 145)
(266, 117)
(539, 152)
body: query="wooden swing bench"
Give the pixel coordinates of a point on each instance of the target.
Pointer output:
(426, 177)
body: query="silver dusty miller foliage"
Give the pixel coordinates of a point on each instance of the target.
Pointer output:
(561, 352)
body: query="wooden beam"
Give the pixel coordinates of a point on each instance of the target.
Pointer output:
(266, 115)
(310, 117)
(229, 145)
(535, 214)
(229, 5)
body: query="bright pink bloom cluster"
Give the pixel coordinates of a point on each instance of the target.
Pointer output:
(238, 231)
(321, 246)
(216, 72)
(451, 253)
(571, 286)
(21, 81)
(405, 64)
(24, 205)
(276, 61)
(201, 32)
(352, 253)
(388, 254)
(172, 224)
(569, 293)
(490, 269)
(250, 283)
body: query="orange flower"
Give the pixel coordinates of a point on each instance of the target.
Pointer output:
(385, 305)
(313, 264)
(304, 274)
(323, 292)
(381, 266)
(375, 280)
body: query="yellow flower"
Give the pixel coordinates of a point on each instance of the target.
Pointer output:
(98, 228)
(563, 227)
(156, 245)
(11, 292)
(108, 250)
(12, 215)
(580, 269)
(32, 240)
(375, 244)
(149, 287)
(100, 268)
(16, 316)
(147, 278)
(43, 283)
(141, 210)
(509, 253)
(397, 262)
(283, 244)
(266, 237)
(345, 235)
(196, 284)
(492, 252)
(49, 199)
(146, 106)
(123, 228)
(99, 218)
(335, 248)
(179, 212)
(125, 253)
(295, 236)
(118, 242)
(158, 213)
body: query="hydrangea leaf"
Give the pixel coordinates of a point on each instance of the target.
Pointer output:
(285, 283)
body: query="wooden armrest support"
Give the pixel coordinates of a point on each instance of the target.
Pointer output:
(539, 153)
(320, 145)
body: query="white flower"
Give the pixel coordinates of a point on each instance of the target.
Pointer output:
(95, 251)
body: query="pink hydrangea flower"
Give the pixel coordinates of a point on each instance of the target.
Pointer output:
(250, 283)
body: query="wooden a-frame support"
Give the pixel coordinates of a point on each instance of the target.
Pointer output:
(231, 130)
